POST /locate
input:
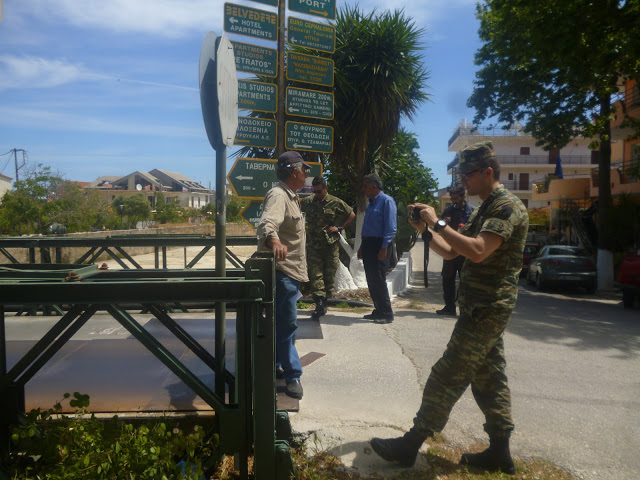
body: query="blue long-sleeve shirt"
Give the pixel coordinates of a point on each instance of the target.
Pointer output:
(381, 219)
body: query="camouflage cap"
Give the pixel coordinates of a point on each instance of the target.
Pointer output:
(475, 156)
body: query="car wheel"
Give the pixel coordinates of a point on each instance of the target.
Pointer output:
(540, 284)
(627, 298)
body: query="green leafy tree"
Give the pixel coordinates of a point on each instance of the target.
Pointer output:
(554, 65)
(80, 210)
(136, 208)
(29, 207)
(167, 210)
(234, 207)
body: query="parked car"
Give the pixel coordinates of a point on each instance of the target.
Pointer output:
(629, 279)
(530, 252)
(562, 265)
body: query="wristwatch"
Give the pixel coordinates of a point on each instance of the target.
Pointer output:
(438, 225)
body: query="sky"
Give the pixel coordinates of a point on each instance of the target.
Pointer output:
(98, 87)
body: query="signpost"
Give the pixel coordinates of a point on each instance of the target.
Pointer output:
(250, 22)
(253, 178)
(309, 103)
(308, 137)
(306, 68)
(256, 60)
(256, 132)
(257, 96)
(319, 8)
(310, 34)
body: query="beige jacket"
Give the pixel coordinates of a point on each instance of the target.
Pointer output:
(283, 219)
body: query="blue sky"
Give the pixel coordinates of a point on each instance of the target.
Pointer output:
(97, 88)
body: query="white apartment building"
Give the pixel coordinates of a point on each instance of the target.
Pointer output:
(522, 163)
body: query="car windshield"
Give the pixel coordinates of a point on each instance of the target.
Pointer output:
(577, 251)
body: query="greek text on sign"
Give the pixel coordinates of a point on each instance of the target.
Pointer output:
(306, 68)
(254, 177)
(319, 8)
(310, 34)
(256, 132)
(252, 213)
(255, 59)
(309, 103)
(251, 22)
(257, 96)
(308, 137)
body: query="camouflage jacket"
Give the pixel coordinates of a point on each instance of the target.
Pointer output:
(494, 281)
(322, 214)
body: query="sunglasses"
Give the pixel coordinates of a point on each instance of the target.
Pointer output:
(318, 192)
(465, 176)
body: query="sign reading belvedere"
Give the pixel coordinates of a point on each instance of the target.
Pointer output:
(251, 22)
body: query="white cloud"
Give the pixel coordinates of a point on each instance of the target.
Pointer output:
(33, 72)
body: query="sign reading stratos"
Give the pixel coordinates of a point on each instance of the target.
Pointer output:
(306, 68)
(254, 177)
(256, 132)
(251, 22)
(308, 137)
(256, 60)
(304, 33)
(257, 96)
(319, 8)
(309, 103)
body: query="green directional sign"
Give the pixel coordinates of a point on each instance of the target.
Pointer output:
(273, 3)
(309, 69)
(255, 59)
(256, 132)
(251, 22)
(252, 212)
(309, 103)
(308, 137)
(257, 96)
(310, 34)
(319, 8)
(254, 177)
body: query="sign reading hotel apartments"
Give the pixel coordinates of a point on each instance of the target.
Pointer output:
(255, 59)
(256, 132)
(250, 22)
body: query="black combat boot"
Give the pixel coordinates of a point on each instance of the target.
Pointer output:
(317, 313)
(496, 457)
(402, 450)
(323, 303)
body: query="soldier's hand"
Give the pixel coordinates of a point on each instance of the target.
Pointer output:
(420, 225)
(332, 229)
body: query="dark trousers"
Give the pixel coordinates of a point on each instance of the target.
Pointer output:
(376, 273)
(450, 268)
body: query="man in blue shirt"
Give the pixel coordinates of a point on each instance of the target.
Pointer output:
(378, 230)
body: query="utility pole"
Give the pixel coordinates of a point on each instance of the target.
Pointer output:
(15, 158)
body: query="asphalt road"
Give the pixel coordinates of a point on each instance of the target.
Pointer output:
(573, 366)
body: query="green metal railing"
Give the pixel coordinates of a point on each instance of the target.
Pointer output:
(246, 418)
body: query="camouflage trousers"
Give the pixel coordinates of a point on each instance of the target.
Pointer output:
(474, 356)
(322, 265)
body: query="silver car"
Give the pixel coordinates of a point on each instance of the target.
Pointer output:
(561, 265)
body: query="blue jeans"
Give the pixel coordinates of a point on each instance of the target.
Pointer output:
(287, 326)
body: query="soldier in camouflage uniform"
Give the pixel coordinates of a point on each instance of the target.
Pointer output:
(492, 241)
(324, 213)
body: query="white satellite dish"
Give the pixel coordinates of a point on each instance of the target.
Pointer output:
(138, 187)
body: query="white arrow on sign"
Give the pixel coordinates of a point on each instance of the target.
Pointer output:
(297, 145)
(241, 177)
(233, 20)
(292, 40)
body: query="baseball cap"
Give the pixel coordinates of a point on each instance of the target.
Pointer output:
(475, 156)
(287, 159)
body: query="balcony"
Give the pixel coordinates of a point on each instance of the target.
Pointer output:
(470, 130)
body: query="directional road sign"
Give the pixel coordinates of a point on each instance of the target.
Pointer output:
(310, 34)
(253, 177)
(306, 68)
(256, 60)
(309, 103)
(273, 3)
(319, 8)
(257, 96)
(256, 132)
(308, 137)
(251, 22)
(252, 212)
